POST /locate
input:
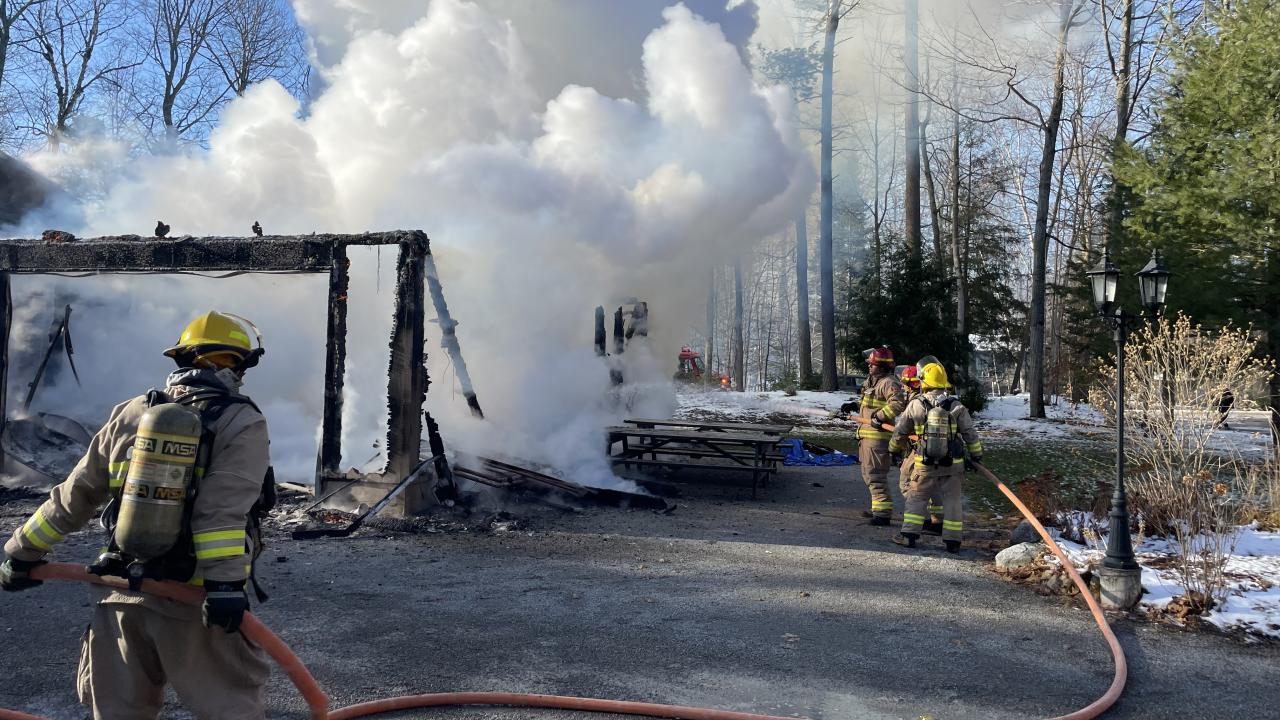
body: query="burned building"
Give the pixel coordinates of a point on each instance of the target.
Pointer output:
(407, 372)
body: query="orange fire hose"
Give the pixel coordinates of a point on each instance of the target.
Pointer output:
(318, 702)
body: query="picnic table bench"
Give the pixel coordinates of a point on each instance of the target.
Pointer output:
(676, 448)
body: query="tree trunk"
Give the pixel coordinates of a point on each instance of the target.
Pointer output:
(1039, 240)
(710, 348)
(935, 214)
(1116, 199)
(739, 363)
(826, 264)
(802, 298)
(911, 212)
(957, 257)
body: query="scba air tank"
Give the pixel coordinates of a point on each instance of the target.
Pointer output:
(160, 472)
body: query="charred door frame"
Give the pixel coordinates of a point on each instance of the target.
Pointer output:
(407, 372)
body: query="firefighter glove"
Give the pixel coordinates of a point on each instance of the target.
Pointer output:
(849, 407)
(969, 462)
(895, 458)
(15, 574)
(224, 604)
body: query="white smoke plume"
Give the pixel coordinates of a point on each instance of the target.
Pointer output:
(538, 211)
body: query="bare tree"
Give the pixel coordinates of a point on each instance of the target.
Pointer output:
(1069, 17)
(184, 93)
(11, 12)
(739, 361)
(911, 63)
(256, 40)
(69, 36)
(957, 255)
(836, 10)
(802, 298)
(710, 347)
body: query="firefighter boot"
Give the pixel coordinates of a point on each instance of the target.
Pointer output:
(906, 539)
(953, 546)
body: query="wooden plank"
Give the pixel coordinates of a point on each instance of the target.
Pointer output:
(133, 253)
(754, 427)
(335, 366)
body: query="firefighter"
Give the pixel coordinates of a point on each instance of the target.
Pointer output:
(202, 531)
(945, 435)
(881, 403)
(910, 379)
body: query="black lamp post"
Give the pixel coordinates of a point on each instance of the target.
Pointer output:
(1153, 283)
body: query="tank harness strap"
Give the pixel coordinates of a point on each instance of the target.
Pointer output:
(211, 407)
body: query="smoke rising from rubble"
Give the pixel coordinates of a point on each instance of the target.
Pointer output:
(538, 211)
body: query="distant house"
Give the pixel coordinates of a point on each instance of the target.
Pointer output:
(990, 363)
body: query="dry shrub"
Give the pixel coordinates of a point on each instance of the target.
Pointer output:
(1262, 489)
(1182, 485)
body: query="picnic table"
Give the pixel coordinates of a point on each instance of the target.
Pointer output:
(677, 447)
(711, 426)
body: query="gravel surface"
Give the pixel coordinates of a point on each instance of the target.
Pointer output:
(787, 605)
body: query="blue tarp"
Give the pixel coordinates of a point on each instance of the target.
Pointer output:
(795, 453)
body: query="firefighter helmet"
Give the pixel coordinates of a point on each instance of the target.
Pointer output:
(934, 377)
(910, 377)
(218, 340)
(881, 355)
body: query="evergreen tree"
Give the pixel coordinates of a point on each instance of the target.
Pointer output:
(1206, 191)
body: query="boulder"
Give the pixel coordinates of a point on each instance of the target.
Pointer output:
(1024, 533)
(1020, 555)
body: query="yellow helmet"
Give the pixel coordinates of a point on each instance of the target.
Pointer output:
(934, 377)
(218, 340)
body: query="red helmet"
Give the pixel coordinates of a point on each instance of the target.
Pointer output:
(911, 377)
(880, 356)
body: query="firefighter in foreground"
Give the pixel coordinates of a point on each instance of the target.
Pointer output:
(184, 475)
(945, 435)
(882, 402)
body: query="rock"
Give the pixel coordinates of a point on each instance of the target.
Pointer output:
(1020, 555)
(1024, 533)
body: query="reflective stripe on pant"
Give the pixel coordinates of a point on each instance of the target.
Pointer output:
(944, 483)
(130, 652)
(873, 455)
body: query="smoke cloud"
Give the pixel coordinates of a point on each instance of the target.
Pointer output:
(538, 209)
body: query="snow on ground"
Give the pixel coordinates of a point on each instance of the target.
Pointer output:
(803, 408)
(1009, 415)
(1253, 579)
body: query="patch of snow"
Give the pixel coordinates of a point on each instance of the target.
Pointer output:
(1252, 604)
(1010, 415)
(805, 407)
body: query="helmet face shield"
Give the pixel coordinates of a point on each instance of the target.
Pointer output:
(926, 360)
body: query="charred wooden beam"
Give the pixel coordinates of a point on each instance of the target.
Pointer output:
(619, 335)
(6, 321)
(407, 385)
(449, 336)
(133, 253)
(601, 336)
(335, 366)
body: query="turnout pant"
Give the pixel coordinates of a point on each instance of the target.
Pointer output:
(904, 477)
(130, 652)
(873, 455)
(932, 482)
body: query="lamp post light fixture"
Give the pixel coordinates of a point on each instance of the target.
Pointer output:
(1120, 575)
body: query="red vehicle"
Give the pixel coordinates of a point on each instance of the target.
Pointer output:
(690, 369)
